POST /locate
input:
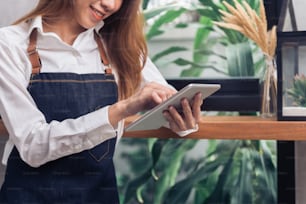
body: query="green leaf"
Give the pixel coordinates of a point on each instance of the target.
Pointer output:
(210, 164)
(240, 59)
(145, 4)
(201, 38)
(181, 25)
(269, 170)
(151, 13)
(178, 192)
(135, 186)
(167, 17)
(221, 194)
(244, 188)
(174, 153)
(157, 150)
(168, 51)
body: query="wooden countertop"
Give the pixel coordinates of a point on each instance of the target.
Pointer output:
(227, 127)
(235, 127)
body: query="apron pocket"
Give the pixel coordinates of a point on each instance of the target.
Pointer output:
(101, 151)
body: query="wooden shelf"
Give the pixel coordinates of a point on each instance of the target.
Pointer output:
(227, 127)
(235, 127)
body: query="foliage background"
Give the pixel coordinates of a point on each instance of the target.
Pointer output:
(177, 171)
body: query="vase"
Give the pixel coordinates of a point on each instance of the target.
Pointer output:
(269, 89)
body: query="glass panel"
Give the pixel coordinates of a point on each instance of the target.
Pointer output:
(294, 81)
(293, 13)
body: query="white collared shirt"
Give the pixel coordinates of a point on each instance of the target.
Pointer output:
(36, 140)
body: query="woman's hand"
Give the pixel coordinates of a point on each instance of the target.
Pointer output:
(146, 98)
(153, 94)
(189, 117)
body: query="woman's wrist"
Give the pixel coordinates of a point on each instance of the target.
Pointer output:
(116, 113)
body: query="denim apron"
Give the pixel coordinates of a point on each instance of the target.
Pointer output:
(87, 177)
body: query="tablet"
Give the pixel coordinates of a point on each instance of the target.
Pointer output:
(154, 119)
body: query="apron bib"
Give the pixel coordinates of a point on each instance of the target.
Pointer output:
(87, 177)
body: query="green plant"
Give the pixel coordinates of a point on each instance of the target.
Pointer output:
(240, 50)
(233, 172)
(238, 58)
(298, 91)
(226, 172)
(160, 19)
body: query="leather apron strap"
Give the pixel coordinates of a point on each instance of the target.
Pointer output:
(104, 58)
(33, 54)
(36, 62)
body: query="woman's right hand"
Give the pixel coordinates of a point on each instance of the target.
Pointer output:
(148, 97)
(145, 98)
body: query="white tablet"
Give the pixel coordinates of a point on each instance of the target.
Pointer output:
(154, 119)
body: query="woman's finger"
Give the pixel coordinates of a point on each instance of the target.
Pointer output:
(177, 117)
(196, 107)
(172, 124)
(188, 114)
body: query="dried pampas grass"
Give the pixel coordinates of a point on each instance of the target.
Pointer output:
(245, 20)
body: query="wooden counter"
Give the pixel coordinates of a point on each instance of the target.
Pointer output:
(228, 127)
(236, 127)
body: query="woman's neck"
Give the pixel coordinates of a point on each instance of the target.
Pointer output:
(66, 29)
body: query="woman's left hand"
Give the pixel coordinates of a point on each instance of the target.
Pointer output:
(188, 118)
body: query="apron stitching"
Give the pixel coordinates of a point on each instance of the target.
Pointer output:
(74, 81)
(103, 156)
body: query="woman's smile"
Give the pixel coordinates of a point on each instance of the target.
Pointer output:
(98, 15)
(88, 13)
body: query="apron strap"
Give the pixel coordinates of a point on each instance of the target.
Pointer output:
(104, 58)
(33, 54)
(36, 62)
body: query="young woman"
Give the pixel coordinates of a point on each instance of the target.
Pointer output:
(71, 71)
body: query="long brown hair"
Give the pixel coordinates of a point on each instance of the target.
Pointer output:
(122, 34)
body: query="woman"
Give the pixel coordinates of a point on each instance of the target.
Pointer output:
(61, 105)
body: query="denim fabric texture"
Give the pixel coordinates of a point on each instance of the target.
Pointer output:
(82, 178)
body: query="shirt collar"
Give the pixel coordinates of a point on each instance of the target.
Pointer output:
(37, 23)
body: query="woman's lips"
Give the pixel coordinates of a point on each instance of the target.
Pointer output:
(97, 14)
